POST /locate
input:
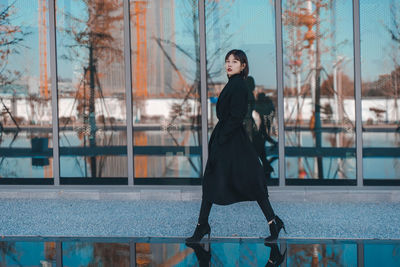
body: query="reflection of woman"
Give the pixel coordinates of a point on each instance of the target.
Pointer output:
(204, 256)
(233, 171)
(248, 120)
(275, 256)
(262, 115)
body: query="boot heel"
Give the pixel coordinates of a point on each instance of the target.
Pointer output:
(274, 228)
(200, 231)
(280, 224)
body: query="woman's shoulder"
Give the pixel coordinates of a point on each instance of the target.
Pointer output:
(238, 83)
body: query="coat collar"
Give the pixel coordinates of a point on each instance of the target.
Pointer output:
(234, 76)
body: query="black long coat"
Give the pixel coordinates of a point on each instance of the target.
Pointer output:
(233, 171)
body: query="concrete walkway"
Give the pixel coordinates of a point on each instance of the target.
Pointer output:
(313, 219)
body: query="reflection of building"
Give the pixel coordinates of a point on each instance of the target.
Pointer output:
(110, 63)
(153, 36)
(152, 28)
(112, 166)
(158, 254)
(110, 254)
(111, 77)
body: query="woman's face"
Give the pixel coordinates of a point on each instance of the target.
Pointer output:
(233, 66)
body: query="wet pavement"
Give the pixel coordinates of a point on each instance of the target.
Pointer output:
(50, 251)
(69, 232)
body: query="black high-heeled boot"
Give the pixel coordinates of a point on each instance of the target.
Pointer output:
(200, 231)
(203, 256)
(275, 256)
(274, 228)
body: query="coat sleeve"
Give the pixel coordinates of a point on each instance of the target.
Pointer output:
(237, 112)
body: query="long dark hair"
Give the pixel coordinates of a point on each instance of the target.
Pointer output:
(241, 56)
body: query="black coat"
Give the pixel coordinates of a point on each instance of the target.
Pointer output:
(233, 171)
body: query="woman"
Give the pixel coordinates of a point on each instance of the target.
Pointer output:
(233, 171)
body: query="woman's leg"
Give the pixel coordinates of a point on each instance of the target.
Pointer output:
(202, 228)
(266, 208)
(274, 222)
(204, 211)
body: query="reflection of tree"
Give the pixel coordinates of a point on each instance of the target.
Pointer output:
(388, 85)
(306, 80)
(216, 11)
(182, 112)
(7, 249)
(93, 42)
(212, 10)
(110, 254)
(11, 38)
(394, 92)
(103, 254)
(302, 255)
(327, 88)
(391, 82)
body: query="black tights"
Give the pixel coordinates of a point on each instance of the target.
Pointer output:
(264, 204)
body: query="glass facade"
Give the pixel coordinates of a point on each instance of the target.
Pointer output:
(336, 128)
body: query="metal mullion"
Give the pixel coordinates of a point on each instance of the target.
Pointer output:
(203, 83)
(279, 80)
(357, 85)
(54, 92)
(132, 254)
(360, 254)
(128, 91)
(284, 247)
(59, 254)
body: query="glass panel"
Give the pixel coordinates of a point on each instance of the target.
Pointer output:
(242, 254)
(381, 255)
(91, 88)
(218, 254)
(27, 253)
(25, 91)
(95, 254)
(159, 254)
(380, 73)
(166, 88)
(249, 26)
(319, 89)
(322, 254)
